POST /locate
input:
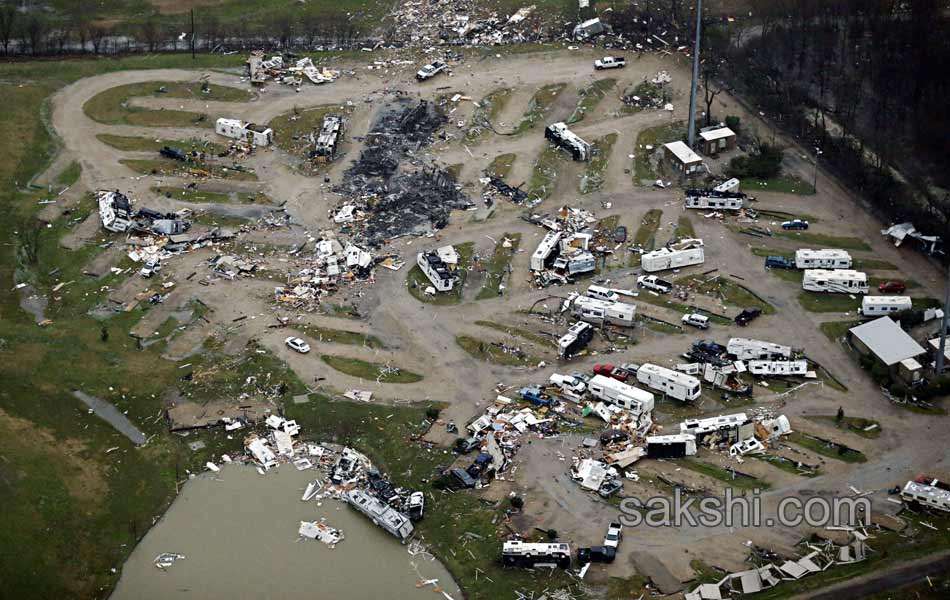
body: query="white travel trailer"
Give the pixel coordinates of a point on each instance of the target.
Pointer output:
(842, 281)
(599, 312)
(542, 255)
(576, 339)
(570, 141)
(672, 383)
(734, 427)
(875, 306)
(714, 200)
(822, 259)
(927, 495)
(617, 392)
(748, 349)
(680, 254)
(574, 262)
(776, 368)
(248, 132)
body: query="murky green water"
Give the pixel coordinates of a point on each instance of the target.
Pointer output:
(239, 538)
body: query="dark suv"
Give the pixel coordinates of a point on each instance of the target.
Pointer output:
(747, 316)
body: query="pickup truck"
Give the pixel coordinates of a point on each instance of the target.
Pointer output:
(614, 535)
(619, 372)
(431, 70)
(779, 262)
(652, 282)
(610, 62)
(535, 396)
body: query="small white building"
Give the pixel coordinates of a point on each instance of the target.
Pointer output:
(672, 383)
(616, 392)
(875, 306)
(442, 274)
(822, 259)
(840, 281)
(717, 139)
(683, 253)
(749, 349)
(683, 159)
(248, 132)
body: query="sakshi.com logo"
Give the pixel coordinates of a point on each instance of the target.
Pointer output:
(730, 510)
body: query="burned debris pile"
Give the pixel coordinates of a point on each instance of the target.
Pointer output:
(393, 200)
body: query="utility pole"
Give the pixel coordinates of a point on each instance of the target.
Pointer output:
(814, 184)
(691, 138)
(943, 327)
(192, 34)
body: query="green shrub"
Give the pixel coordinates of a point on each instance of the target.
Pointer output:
(732, 122)
(764, 164)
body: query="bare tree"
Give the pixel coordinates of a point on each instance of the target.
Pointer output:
(151, 34)
(8, 23)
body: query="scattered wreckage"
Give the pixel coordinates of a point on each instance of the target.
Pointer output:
(286, 70)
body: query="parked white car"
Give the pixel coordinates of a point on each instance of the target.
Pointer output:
(614, 535)
(295, 343)
(696, 320)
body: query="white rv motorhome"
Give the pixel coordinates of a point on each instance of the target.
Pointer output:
(516, 553)
(680, 254)
(765, 368)
(599, 312)
(240, 130)
(875, 306)
(570, 141)
(616, 392)
(542, 255)
(576, 339)
(672, 383)
(841, 281)
(748, 349)
(671, 446)
(822, 259)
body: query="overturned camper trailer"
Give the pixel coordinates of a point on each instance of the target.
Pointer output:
(248, 132)
(749, 349)
(714, 199)
(380, 514)
(616, 392)
(115, 211)
(927, 495)
(675, 255)
(328, 140)
(546, 251)
(732, 428)
(576, 339)
(672, 383)
(822, 259)
(568, 140)
(875, 306)
(841, 281)
(438, 269)
(671, 446)
(516, 553)
(604, 312)
(574, 262)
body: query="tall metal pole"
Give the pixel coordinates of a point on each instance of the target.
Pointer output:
(691, 138)
(192, 34)
(943, 327)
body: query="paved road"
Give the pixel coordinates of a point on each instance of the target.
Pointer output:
(895, 577)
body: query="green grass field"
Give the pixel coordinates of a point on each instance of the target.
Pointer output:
(500, 166)
(354, 367)
(591, 97)
(593, 177)
(113, 106)
(645, 236)
(648, 143)
(417, 282)
(498, 265)
(141, 144)
(487, 351)
(540, 103)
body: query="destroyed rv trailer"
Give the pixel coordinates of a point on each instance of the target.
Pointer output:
(829, 258)
(516, 553)
(616, 392)
(603, 312)
(675, 255)
(380, 513)
(840, 281)
(749, 349)
(677, 445)
(577, 338)
(927, 493)
(563, 137)
(236, 129)
(726, 428)
(714, 199)
(327, 144)
(115, 211)
(440, 267)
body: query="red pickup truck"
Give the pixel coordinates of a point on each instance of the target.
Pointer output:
(620, 373)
